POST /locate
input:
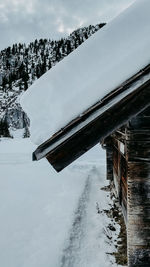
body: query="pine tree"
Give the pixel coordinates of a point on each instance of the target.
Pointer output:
(4, 82)
(4, 129)
(26, 132)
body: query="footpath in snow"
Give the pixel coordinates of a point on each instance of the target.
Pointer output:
(51, 219)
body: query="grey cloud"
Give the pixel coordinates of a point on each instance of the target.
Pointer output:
(25, 20)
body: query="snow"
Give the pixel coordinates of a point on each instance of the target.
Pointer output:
(50, 219)
(100, 64)
(16, 133)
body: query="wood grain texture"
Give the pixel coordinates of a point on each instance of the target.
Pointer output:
(132, 180)
(138, 198)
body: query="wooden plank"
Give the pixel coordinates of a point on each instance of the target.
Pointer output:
(139, 170)
(109, 163)
(116, 182)
(138, 150)
(124, 211)
(139, 192)
(124, 192)
(124, 198)
(138, 209)
(115, 159)
(119, 144)
(119, 135)
(138, 135)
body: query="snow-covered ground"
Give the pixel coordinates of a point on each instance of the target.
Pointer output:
(51, 219)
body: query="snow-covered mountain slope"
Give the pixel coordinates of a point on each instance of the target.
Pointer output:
(22, 64)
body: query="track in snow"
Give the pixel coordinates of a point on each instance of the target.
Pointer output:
(77, 232)
(84, 245)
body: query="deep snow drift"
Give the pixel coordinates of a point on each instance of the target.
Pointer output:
(51, 219)
(100, 64)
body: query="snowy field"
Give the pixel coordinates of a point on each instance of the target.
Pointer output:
(49, 219)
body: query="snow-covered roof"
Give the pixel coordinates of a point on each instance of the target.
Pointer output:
(102, 63)
(97, 122)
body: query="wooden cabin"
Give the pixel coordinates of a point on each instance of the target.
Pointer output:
(128, 166)
(121, 123)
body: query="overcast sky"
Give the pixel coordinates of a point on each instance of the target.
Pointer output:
(25, 20)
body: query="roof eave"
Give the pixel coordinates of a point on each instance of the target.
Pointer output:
(60, 151)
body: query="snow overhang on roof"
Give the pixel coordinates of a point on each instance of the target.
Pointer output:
(93, 91)
(97, 122)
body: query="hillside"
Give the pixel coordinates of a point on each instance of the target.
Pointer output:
(22, 64)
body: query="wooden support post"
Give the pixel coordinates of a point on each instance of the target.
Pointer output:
(109, 160)
(138, 228)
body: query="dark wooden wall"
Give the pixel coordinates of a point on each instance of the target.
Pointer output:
(138, 157)
(130, 171)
